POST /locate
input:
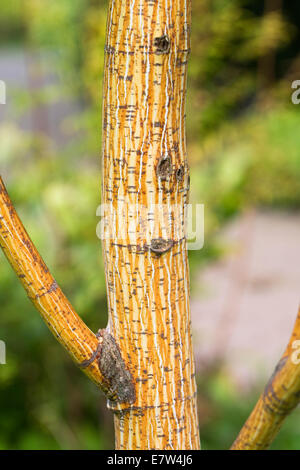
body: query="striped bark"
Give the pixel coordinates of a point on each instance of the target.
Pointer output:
(143, 361)
(82, 344)
(145, 192)
(279, 398)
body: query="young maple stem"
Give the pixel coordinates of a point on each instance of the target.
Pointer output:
(144, 360)
(46, 295)
(280, 396)
(146, 176)
(146, 363)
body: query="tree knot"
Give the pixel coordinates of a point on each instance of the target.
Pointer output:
(120, 385)
(162, 44)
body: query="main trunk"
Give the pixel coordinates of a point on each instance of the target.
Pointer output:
(145, 193)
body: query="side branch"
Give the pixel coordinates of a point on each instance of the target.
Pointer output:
(88, 350)
(280, 396)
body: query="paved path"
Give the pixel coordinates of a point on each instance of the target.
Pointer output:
(248, 301)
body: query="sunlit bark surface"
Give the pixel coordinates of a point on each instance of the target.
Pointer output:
(144, 165)
(44, 292)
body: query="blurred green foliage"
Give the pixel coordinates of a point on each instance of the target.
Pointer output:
(12, 26)
(244, 146)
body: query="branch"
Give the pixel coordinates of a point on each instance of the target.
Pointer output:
(98, 355)
(280, 396)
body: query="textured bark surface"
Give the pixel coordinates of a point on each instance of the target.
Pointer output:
(280, 396)
(88, 350)
(144, 164)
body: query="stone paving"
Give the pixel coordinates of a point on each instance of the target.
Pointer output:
(248, 302)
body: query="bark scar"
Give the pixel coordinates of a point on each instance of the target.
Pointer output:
(164, 167)
(113, 368)
(272, 402)
(180, 173)
(162, 45)
(160, 246)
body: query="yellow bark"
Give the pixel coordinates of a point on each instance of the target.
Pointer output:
(46, 295)
(145, 192)
(280, 396)
(143, 361)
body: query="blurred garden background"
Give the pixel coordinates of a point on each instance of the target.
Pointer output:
(244, 152)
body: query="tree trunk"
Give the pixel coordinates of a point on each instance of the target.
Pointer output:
(145, 193)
